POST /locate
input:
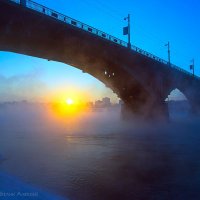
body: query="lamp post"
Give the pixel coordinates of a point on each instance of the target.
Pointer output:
(127, 30)
(169, 53)
(192, 67)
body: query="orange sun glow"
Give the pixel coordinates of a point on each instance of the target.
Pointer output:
(69, 101)
(69, 107)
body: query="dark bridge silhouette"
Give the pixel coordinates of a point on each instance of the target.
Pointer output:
(142, 80)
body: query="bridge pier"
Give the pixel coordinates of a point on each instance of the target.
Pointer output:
(193, 99)
(157, 111)
(195, 110)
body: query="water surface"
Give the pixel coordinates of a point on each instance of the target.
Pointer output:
(99, 157)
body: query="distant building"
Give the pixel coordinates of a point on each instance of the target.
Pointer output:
(121, 102)
(106, 102)
(98, 104)
(90, 104)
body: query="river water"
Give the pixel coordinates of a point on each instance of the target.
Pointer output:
(101, 158)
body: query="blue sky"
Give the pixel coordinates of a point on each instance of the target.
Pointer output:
(153, 24)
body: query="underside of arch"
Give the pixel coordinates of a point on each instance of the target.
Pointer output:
(130, 75)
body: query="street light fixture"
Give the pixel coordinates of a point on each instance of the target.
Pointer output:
(127, 30)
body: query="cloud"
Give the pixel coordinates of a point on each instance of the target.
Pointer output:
(25, 86)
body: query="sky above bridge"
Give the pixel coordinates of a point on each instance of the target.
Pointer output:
(153, 24)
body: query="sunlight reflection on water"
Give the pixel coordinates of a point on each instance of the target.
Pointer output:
(101, 157)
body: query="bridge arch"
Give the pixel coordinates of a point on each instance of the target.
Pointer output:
(179, 106)
(139, 78)
(69, 75)
(176, 94)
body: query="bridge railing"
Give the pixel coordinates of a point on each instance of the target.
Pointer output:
(42, 9)
(68, 20)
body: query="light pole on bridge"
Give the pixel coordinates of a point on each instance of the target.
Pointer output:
(192, 66)
(127, 30)
(169, 53)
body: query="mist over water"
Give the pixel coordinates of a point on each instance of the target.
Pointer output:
(95, 156)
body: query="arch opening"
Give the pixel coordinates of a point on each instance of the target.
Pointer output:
(178, 105)
(63, 90)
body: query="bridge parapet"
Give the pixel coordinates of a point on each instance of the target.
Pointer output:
(70, 21)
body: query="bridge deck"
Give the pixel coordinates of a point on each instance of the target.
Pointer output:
(70, 21)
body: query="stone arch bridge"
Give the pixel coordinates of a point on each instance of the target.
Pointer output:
(142, 80)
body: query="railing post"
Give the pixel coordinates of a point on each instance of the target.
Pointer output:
(23, 3)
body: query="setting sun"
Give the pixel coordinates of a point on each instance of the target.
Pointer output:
(69, 101)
